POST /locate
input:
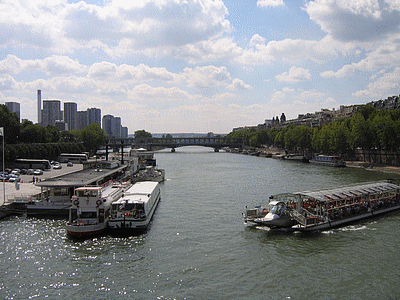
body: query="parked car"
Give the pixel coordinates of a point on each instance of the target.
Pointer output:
(14, 178)
(57, 166)
(24, 171)
(38, 172)
(16, 172)
(30, 172)
(70, 164)
(3, 176)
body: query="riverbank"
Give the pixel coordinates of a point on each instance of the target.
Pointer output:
(373, 167)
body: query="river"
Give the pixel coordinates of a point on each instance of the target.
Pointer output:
(197, 246)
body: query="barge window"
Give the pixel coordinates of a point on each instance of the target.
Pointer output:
(61, 192)
(88, 215)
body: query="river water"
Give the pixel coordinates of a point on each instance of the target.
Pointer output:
(197, 246)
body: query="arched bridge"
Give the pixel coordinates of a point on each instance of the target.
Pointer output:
(154, 143)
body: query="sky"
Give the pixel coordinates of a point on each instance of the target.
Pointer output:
(169, 66)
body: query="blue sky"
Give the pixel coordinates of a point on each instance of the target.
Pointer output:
(199, 65)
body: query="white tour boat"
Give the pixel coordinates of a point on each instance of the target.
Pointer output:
(275, 215)
(134, 210)
(89, 213)
(328, 208)
(328, 160)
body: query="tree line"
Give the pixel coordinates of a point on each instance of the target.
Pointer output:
(28, 140)
(368, 128)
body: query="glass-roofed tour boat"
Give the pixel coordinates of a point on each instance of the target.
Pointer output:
(327, 208)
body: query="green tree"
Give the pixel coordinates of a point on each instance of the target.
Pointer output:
(52, 134)
(32, 133)
(92, 137)
(9, 121)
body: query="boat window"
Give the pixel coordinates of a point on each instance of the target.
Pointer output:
(140, 206)
(129, 206)
(88, 215)
(61, 192)
(278, 209)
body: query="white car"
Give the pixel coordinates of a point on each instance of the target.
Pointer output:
(57, 166)
(14, 178)
(38, 172)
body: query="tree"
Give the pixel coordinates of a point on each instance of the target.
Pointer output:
(142, 134)
(32, 133)
(92, 137)
(9, 121)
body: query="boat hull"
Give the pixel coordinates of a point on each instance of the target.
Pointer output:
(285, 222)
(83, 231)
(131, 225)
(338, 223)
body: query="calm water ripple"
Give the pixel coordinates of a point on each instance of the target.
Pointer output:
(198, 247)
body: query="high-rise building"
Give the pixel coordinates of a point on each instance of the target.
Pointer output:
(82, 119)
(94, 116)
(107, 124)
(51, 112)
(112, 126)
(124, 132)
(116, 126)
(15, 108)
(70, 115)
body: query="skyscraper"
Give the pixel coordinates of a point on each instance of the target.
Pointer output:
(94, 116)
(82, 119)
(51, 112)
(107, 124)
(15, 108)
(70, 115)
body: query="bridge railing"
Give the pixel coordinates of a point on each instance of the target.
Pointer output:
(187, 141)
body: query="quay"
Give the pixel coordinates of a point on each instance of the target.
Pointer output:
(50, 194)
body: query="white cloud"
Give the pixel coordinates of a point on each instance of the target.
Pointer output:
(384, 86)
(293, 51)
(238, 84)
(206, 77)
(294, 75)
(117, 28)
(386, 55)
(270, 3)
(360, 20)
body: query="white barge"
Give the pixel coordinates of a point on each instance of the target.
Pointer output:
(134, 210)
(328, 160)
(329, 208)
(90, 210)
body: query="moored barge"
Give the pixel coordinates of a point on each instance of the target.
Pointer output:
(90, 210)
(133, 212)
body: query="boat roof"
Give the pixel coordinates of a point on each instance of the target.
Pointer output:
(88, 188)
(132, 199)
(142, 188)
(344, 192)
(275, 202)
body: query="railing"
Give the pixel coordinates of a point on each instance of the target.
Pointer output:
(303, 216)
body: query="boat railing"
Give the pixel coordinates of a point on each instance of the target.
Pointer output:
(304, 217)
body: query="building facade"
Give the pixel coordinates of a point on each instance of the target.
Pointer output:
(70, 115)
(15, 108)
(93, 116)
(82, 119)
(51, 112)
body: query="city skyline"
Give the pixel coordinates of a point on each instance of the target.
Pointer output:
(199, 66)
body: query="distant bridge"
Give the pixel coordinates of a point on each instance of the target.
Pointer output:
(154, 143)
